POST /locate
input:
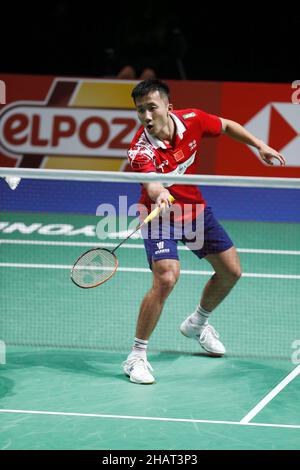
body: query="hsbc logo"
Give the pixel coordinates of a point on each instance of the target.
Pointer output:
(35, 129)
(278, 124)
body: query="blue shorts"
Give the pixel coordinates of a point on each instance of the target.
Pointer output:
(213, 235)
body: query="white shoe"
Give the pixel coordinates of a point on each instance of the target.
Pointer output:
(137, 368)
(207, 336)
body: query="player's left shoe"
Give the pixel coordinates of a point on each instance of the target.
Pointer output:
(207, 337)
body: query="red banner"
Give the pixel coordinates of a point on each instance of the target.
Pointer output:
(81, 123)
(267, 111)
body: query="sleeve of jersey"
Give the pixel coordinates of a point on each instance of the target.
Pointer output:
(211, 125)
(141, 161)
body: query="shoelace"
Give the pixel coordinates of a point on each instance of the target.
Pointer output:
(135, 360)
(208, 330)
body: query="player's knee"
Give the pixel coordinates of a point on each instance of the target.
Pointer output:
(167, 280)
(234, 274)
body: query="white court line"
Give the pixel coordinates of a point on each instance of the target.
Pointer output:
(134, 246)
(268, 252)
(249, 416)
(148, 418)
(146, 270)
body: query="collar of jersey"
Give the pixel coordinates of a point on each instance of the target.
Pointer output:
(180, 129)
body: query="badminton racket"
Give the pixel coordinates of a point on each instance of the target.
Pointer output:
(98, 265)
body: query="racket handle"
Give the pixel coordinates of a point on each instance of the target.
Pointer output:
(149, 217)
(156, 211)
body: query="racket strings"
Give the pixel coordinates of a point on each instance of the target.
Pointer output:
(94, 267)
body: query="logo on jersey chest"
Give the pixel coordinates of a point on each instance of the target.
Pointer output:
(192, 145)
(179, 155)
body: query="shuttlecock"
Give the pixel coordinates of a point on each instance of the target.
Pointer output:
(12, 181)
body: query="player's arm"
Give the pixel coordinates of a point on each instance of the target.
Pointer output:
(158, 193)
(238, 132)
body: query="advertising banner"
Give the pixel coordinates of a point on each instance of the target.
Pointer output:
(272, 113)
(84, 123)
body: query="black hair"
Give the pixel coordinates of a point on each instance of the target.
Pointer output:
(149, 86)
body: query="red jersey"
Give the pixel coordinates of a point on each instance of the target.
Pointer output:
(149, 154)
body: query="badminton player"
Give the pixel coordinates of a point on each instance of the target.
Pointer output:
(168, 142)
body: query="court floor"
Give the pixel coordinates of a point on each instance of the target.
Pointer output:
(61, 383)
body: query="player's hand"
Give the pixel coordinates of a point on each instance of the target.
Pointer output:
(267, 154)
(163, 201)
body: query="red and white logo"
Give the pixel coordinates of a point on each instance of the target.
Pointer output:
(33, 129)
(278, 124)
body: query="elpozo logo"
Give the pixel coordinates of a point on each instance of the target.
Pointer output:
(31, 128)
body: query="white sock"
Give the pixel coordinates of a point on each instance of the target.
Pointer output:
(200, 316)
(139, 347)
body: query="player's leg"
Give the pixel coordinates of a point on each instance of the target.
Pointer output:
(219, 251)
(165, 275)
(227, 269)
(227, 272)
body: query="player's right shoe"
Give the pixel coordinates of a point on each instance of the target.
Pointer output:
(138, 370)
(206, 335)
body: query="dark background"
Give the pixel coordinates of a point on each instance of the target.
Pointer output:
(178, 40)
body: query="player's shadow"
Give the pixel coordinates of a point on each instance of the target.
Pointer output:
(92, 363)
(6, 387)
(102, 364)
(170, 355)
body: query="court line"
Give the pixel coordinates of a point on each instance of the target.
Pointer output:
(272, 394)
(146, 270)
(134, 246)
(148, 418)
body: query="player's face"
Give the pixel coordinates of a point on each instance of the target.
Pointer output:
(153, 112)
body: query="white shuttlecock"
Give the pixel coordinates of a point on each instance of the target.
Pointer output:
(12, 181)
